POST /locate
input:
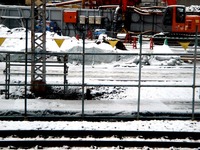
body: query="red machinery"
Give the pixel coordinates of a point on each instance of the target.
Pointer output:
(175, 20)
(117, 2)
(97, 3)
(178, 26)
(170, 2)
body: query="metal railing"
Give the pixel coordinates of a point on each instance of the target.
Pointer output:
(25, 62)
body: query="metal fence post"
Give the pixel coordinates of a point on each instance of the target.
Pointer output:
(194, 73)
(26, 69)
(7, 78)
(139, 78)
(83, 72)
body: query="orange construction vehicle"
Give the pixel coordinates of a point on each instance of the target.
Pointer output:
(175, 20)
(178, 26)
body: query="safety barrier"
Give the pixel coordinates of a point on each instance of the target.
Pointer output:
(60, 64)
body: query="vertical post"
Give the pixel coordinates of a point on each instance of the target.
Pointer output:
(194, 73)
(65, 76)
(151, 43)
(83, 72)
(7, 80)
(139, 78)
(43, 12)
(33, 20)
(83, 3)
(25, 84)
(6, 77)
(38, 65)
(134, 42)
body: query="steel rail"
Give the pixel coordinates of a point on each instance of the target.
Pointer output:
(96, 143)
(75, 116)
(139, 138)
(101, 133)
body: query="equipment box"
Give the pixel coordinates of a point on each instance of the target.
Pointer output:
(82, 19)
(98, 20)
(70, 16)
(91, 19)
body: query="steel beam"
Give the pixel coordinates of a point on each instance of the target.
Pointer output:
(38, 41)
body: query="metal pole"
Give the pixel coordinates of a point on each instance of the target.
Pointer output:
(139, 78)
(65, 76)
(194, 72)
(7, 95)
(38, 66)
(7, 78)
(33, 23)
(83, 72)
(25, 87)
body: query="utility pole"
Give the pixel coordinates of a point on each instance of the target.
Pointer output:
(38, 44)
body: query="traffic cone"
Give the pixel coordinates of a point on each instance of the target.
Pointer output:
(139, 40)
(134, 43)
(165, 42)
(151, 43)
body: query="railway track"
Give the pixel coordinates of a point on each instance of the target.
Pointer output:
(98, 138)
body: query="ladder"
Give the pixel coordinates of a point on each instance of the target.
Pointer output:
(12, 12)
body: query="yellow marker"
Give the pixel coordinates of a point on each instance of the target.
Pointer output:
(59, 42)
(113, 42)
(2, 40)
(184, 44)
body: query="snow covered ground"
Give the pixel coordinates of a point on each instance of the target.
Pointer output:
(153, 125)
(111, 70)
(118, 69)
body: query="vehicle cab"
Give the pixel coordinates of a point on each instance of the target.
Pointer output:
(175, 20)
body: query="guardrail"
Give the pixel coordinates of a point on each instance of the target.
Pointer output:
(25, 62)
